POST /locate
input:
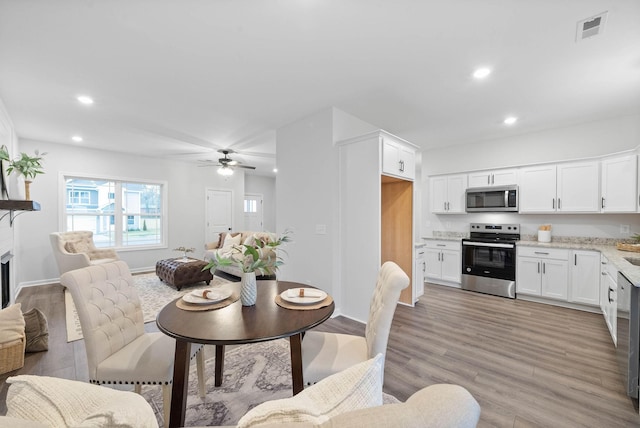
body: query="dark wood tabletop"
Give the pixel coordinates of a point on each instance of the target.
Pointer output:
(236, 324)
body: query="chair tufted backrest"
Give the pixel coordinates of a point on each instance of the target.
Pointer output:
(391, 281)
(63, 238)
(108, 308)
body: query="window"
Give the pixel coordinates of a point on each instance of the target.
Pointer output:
(250, 206)
(120, 214)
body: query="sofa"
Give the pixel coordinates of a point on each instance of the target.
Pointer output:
(223, 248)
(349, 399)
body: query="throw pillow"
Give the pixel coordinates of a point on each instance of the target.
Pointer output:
(230, 242)
(77, 247)
(68, 403)
(357, 387)
(11, 323)
(36, 331)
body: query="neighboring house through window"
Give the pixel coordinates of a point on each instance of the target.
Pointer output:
(119, 213)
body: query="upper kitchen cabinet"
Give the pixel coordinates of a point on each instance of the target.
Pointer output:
(572, 187)
(498, 177)
(398, 158)
(447, 194)
(618, 184)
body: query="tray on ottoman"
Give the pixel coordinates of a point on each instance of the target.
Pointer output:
(178, 272)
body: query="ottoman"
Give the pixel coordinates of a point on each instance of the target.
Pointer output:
(177, 272)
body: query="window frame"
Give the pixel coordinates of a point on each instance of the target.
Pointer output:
(120, 224)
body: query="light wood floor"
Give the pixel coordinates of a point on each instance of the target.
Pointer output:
(527, 364)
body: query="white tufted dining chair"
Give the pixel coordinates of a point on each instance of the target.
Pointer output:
(119, 351)
(324, 354)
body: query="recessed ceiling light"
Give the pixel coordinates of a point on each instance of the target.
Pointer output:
(77, 138)
(275, 169)
(481, 73)
(510, 120)
(85, 99)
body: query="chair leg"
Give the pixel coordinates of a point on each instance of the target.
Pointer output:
(200, 371)
(166, 404)
(137, 388)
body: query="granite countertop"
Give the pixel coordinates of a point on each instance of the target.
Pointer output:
(446, 236)
(606, 247)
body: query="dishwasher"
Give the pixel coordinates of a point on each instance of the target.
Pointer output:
(628, 350)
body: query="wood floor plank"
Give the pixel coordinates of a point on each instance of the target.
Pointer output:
(528, 364)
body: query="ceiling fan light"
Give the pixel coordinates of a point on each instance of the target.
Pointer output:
(225, 171)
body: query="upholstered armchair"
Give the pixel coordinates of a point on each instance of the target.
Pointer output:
(75, 250)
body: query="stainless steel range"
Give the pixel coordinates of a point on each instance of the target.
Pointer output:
(489, 259)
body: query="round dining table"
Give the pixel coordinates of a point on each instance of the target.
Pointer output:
(236, 324)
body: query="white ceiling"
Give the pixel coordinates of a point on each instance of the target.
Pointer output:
(183, 78)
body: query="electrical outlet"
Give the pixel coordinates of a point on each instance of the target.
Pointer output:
(624, 229)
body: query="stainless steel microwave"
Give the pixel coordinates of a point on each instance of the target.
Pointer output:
(488, 199)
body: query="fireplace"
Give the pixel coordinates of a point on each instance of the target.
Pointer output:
(5, 278)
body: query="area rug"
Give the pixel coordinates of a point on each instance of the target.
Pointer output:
(154, 295)
(253, 374)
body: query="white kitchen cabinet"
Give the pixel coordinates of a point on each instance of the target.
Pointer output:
(608, 296)
(618, 184)
(377, 220)
(498, 177)
(585, 277)
(398, 159)
(542, 272)
(538, 189)
(448, 193)
(443, 262)
(420, 268)
(579, 187)
(568, 187)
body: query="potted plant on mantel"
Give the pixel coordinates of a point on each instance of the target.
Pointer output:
(27, 166)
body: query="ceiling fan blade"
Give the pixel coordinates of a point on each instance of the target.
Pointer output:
(244, 166)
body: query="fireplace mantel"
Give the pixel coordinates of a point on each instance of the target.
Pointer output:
(17, 207)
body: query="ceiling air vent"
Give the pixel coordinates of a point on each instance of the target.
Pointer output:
(591, 26)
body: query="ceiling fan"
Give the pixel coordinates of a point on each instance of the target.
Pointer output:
(226, 164)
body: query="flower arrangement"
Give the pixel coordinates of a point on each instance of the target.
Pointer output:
(185, 250)
(250, 256)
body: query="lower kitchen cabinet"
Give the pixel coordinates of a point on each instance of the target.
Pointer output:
(585, 277)
(543, 272)
(419, 272)
(443, 262)
(609, 296)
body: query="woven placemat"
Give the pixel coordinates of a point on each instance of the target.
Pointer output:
(218, 305)
(321, 304)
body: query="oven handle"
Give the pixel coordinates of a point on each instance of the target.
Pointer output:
(488, 244)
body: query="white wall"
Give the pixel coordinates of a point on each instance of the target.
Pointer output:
(186, 203)
(266, 186)
(580, 141)
(308, 197)
(8, 138)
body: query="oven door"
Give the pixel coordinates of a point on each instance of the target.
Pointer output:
(489, 259)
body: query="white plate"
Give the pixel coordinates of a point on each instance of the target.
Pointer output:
(311, 296)
(214, 296)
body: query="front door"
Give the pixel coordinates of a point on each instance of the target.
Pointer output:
(253, 212)
(219, 214)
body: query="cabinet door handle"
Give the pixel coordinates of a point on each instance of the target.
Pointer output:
(558, 203)
(541, 252)
(538, 267)
(401, 167)
(488, 179)
(554, 203)
(493, 179)
(602, 202)
(441, 245)
(609, 295)
(424, 267)
(442, 258)
(543, 268)
(575, 260)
